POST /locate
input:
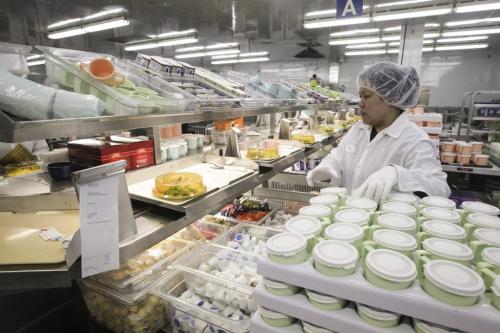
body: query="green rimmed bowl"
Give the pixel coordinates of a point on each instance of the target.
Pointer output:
(421, 326)
(394, 240)
(321, 212)
(279, 288)
(308, 226)
(276, 319)
(439, 229)
(474, 221)
(335, 258)
(395, 221)
(287, 248)
(440, 248)
(346, 232)
(482, 238)
(377, 317)
(325, 302)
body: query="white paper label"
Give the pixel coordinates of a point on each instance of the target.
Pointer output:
(99, 226)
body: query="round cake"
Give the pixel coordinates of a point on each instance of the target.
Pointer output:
(178, 185)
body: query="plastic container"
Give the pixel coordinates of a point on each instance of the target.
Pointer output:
(490, 267)
(464, 149)
(464, 159)
(217, 263)
(482, 238)
(307, 226)
(476, 220)
(440, 229)
(192, 141)
(138, 272)
(482, 160)
(201, 231)
(421, 326)
(279, 288)
(346, 232)
(60, 170)
(276, 319)
(173, 152)
(495, 295)
(399, 208)
(397, 222)
(325, 302)
(477, 147)
(441, 214)
(327, 199)
(440, 248)
(13, 57)
(388, 269)
(196, 305)
(435, 201)
(448, 147)
(361, 203)
(310, 328)
(321, 212)
(247, 238)
(62, 67)
(407, 198)
(480, 208)
(335, 258)
(450, 282)
(394, 240)
(341, 192)
(355, 216)
(377, 317)
(287, 248)
(139, 312)
(448, 158)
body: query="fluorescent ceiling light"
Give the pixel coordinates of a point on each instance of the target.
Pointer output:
(394, 43)
(432, 25)
(34, 56)
(392, 51)
(365, 46)
(391, 38)
(346, 41)
(175, 33)
(486, 31)
(477, 6)
(224, 56)
(462, 39)
(66, 33)
(221, 46)
(221, 52)
(427, 41)
(406, 14)
(470, 22)
(190, 49)
(399, 3)
(354, 32)
(105, 25)
(368, 52)
(432, 35)
(190, 55)
(427, 49)
(254, 54)
(59, 24)
(204, 54)
(396, 28)
(461, 47)
(35, 63)
(234, 61)
(327, 12)
(254, 59)
(104, 13)
(336, 23)
(178, 41)
(151, 44)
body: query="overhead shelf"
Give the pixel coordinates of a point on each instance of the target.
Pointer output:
(486, 105)
(486, 118)
(493, 171)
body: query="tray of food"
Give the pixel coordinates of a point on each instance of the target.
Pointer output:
(247, 210)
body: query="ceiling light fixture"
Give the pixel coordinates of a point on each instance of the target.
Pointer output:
(346, 41)
(427, 49)
(461, 39)
(432, 35)
(427, 41)
(391, 38)
(477, 6)
(432, 25)
(332, 22)
(36, 63)
(218, 49)
(395, 28)
(399, 3)
(205, 54)
(34, 57)
(462, 47)
(412, 13)
(243, 58)
(329, 12)
(394, 43)
(173, 38)
(354, 32)
(368, 52)
(470, 22)
(470, 32)
(365, 46)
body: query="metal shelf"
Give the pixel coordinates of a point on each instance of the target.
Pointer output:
(485, 131)
(486, 118)
(15, 130)
(493, 171)
(486, 105)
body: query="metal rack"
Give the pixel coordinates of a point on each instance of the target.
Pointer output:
(470, 106)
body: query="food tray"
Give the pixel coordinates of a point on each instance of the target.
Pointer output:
(286, 148)
(62, 67)
(345, 320)
(125, 313)
(140, 271)
(201, 231)
(490, 165)
(413, 301)
(205, 259)
(187, 317)
(258, 222)
(261, 233)
(260, 326)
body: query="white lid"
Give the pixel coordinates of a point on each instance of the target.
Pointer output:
(444, 229)
(310, 328)
(272, 314)
(443, 214)
(496, 286)
(391, 265)
(426, 327)
(275, 284)
(465, 144)
(347, 232)
(356, 216)
(480, 207)
(448, 154)
(454, 278)
(397, 221)
(489, 236)
(322, 298)
(307, 226)
(482, 156)
(376, 313)
(315, 210)
(334, 190)
(476, 143)
(286, 244)
(361, 203)
(399, 207)
(485, 221)
(492, 255)
(335, 254)
(402, 197)
(448, 249)
(435, 201)
(395, 240)
(324, 199)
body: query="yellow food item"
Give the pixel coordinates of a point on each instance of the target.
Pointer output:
(178, 185)
(18, 169)
(304, 138)
(262, 153)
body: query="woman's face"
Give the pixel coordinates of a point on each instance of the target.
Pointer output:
(374, 110)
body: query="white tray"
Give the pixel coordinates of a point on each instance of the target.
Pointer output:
(413, 302)
(342, 321)
(260, 326)
(212, 178)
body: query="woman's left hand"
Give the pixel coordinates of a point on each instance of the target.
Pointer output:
(378, 186)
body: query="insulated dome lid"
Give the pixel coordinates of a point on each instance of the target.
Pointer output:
(480, 207)
(485, 221)
(435, 201)
(489, 236)
(305, 225)
(335, 254)
(324, 199)
(286, 243)
(492, 255)
(442, 214)
(391, 265)
(395, 240)
(356, 216)
(361, 203)
(399, 208)
(347, 232)
(315, 210)
(454, 278)
(334, 190)
(397, 221)
(407, 198)
(448, 249)
(444, 229)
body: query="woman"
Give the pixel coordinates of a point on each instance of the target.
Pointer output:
(386, 151)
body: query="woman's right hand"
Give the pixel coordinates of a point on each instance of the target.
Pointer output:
(323, 175)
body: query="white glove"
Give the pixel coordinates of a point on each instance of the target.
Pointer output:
(378, 185)
(323, 175)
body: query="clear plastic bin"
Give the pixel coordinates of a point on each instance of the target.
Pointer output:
(123, 313)
(230, 267)
(14, 58)
(201, 231)
(140, 271)
(197, 304)
(62, 66)
(248, 238)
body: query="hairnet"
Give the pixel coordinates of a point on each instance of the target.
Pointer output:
(397, 85)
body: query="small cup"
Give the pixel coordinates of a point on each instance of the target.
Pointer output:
(361, 203)
(464, 149)
(183, 148)
(356, 216)
(377, 317)
(276, 319)
(495, 295)
(481, 238)
(321, 212)
(482, 160)
(440, 229)
(421, 326)
(325, 302)
(477, 220)
(192, 142)
(448, 147)
(464, 159)
(103, 69)
(287, 248)
(489, 268)
(448, 157)
(307, 226)
(395, 221)
(279, 288)
(173, 152)
(335, 258)
(477, 147)
(310, 328)
(392, 240)
(440, 248)
(327, 199)
(199, 140)
(346, 232)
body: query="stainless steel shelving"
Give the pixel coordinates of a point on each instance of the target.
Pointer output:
(493, 171)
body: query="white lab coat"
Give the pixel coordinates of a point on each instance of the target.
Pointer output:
(403, 145)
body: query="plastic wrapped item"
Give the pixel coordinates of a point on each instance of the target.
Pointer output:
(145, 267)
(247, 238)
(141, 312)
(279, 220)
(201, 231)
(201, 305)
(13, 58)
